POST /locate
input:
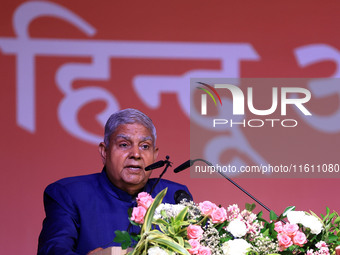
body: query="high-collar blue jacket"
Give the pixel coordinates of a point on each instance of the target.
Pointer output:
(83, 212)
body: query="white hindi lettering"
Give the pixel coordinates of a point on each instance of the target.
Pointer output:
(26, 49)
(308, 55)
(148, 87)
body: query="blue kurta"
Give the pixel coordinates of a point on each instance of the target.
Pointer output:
(83, 212)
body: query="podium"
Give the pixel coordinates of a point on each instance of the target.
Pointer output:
(111, 251)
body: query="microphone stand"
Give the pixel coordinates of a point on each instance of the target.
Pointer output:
(234, 183)
(167, 164)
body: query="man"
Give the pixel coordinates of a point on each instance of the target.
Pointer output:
(83, 212)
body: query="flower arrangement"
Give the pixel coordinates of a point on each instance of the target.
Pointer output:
(205, 228)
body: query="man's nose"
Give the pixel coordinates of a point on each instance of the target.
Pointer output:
(135, 152)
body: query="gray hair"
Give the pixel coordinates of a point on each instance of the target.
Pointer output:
(128, 116)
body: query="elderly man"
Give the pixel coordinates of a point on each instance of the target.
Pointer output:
(83, 212)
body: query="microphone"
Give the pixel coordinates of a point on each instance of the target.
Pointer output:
(155, 165)
(182, 195)
(184, 166)
(189, 163)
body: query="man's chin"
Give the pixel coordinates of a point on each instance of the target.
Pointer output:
(136, 180)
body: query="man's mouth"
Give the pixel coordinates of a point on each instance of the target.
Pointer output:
(134, 167)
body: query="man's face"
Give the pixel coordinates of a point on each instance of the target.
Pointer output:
(130, 151)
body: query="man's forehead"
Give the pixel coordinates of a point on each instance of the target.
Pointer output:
(130, 137)
(132, 131)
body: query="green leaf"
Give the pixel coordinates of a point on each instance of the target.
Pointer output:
(181, 216)
(160, 221)
(337, 220)
(288, 209)
(332, 238)
(124, 238)
(163, 228)
(170, 244)
(135, 237)
(151, 211)
(180, 240)
(163, 213)
(186, 245)
(172, 230)
(266, 232)
(130, 212)
(250, 207)
(272, 215)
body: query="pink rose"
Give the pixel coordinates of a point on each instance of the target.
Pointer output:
(204, 250)
(284, 240)
(278, 227)
(290, 229)
(218, 215)
(300, 239)
(194, 232)
(144, 199)
(206, 207)
(138, 214)
(195, 245)
(337, 249)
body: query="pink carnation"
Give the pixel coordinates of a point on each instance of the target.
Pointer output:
(195, 245)
(218, 215)
(233, 209)
(321, 244)
(207, 207)
(144, 199)
(233, 212)
(323, 248)
(204, 251)
(194, 232)
(290, 229)
(138, 214)
(284, 241)
(300, 239)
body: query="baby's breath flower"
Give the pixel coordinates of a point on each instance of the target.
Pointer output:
(264, 245)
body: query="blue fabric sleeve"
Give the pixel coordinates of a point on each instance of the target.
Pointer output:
(60, 227)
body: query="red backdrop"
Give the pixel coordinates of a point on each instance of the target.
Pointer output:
(65, 65)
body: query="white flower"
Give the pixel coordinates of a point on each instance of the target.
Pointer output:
(235, 247)
(310, 221)
(156, 251)
(295, 217)
(170, 210)
(237, 228)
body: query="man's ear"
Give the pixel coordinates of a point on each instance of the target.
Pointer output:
(102, 151)
(155, 153)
